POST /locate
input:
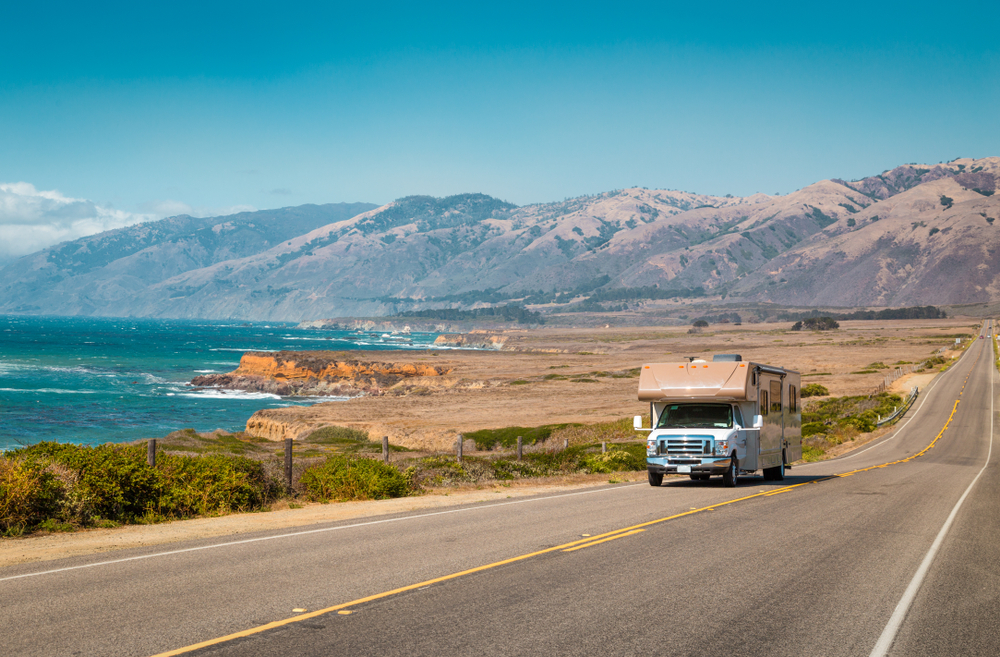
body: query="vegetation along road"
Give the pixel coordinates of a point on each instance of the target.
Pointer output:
(889, 550)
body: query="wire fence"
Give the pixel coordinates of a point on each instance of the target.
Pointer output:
(888, 380)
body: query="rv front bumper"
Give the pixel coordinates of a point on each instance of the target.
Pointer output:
(706, 466)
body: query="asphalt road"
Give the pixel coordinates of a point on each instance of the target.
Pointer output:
(880, 558)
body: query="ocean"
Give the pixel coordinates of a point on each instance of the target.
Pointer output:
(97, 380)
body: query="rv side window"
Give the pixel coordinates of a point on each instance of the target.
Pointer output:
(793, 402)
(776, 396)
(763, 402)
(738, 416)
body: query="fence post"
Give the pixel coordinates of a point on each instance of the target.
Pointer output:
(385, 448)
(604, 447)
(288, 463)
(520, 448)
(461, 439)
(566, 443)
(151, 452)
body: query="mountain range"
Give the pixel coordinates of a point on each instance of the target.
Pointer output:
(913, 235)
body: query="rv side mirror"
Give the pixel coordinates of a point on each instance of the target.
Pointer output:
(637, 422)
(758, 421)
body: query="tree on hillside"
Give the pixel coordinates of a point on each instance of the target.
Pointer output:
(816, 324)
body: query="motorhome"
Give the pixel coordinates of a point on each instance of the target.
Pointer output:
(725, 417)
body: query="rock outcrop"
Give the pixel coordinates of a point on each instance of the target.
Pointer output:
(472, 340)
(324, 373)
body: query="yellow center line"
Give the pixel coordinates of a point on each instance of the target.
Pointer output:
(604, 540)
(565, 547)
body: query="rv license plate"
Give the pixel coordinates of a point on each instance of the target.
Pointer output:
(683, 469)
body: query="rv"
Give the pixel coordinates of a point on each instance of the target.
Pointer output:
(725, 417)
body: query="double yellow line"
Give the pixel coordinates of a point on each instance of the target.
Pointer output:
(565, 547)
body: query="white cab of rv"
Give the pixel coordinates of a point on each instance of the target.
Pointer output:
(725, 417)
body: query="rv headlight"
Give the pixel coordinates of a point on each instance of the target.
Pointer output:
(721, 447)
(651, 447)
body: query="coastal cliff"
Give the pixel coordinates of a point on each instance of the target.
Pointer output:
(325, 373)
(471, 340)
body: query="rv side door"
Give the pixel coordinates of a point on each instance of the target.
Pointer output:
(771, 433)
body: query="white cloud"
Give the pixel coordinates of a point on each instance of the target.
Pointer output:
(32, 219)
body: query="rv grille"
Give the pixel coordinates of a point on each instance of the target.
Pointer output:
(686, 446)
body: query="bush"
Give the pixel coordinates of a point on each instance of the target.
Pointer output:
(113, 482)
(616, 460)
(212, 484)
(343, 479)
(862, 423)
(334, 435)
(85, 485)
(507, 437)
(812, 428)
(814, 390)
(819, 324)
(700, 323)
(28, 496)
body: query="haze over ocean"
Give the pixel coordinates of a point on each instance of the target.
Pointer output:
(96, 380)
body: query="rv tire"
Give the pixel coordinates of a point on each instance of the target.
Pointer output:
(655, 478)
(777, 473)
(731, 474)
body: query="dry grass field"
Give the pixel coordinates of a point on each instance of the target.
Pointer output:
(588, 375)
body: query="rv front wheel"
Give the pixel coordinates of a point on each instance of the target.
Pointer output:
(655, 478)
(730, 475)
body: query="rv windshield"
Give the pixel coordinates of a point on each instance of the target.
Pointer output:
(696, 416)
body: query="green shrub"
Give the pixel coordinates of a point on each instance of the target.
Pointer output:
(811, 453)
(334, 435)
(212, 484)
(932, 362)
(112, 481)
(814, 390)
(615, 460)
(820, 323)
(862, 423)
(812, 428)
(112, 484)
(507, 437)
(28, 495)
(343, 479)
(504, 469)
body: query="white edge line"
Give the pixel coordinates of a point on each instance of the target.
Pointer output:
(313, 531)
(899, 430)
(899, 614)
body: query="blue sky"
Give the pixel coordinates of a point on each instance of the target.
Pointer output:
(114, 112)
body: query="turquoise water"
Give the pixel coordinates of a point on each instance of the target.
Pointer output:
(92, 381)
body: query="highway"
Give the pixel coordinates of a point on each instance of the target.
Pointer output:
(890, 550)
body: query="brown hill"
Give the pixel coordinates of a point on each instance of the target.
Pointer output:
(917, 234)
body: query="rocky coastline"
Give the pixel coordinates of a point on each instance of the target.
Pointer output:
(316, 373)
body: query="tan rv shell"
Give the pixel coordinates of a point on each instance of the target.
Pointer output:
(723, 381)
